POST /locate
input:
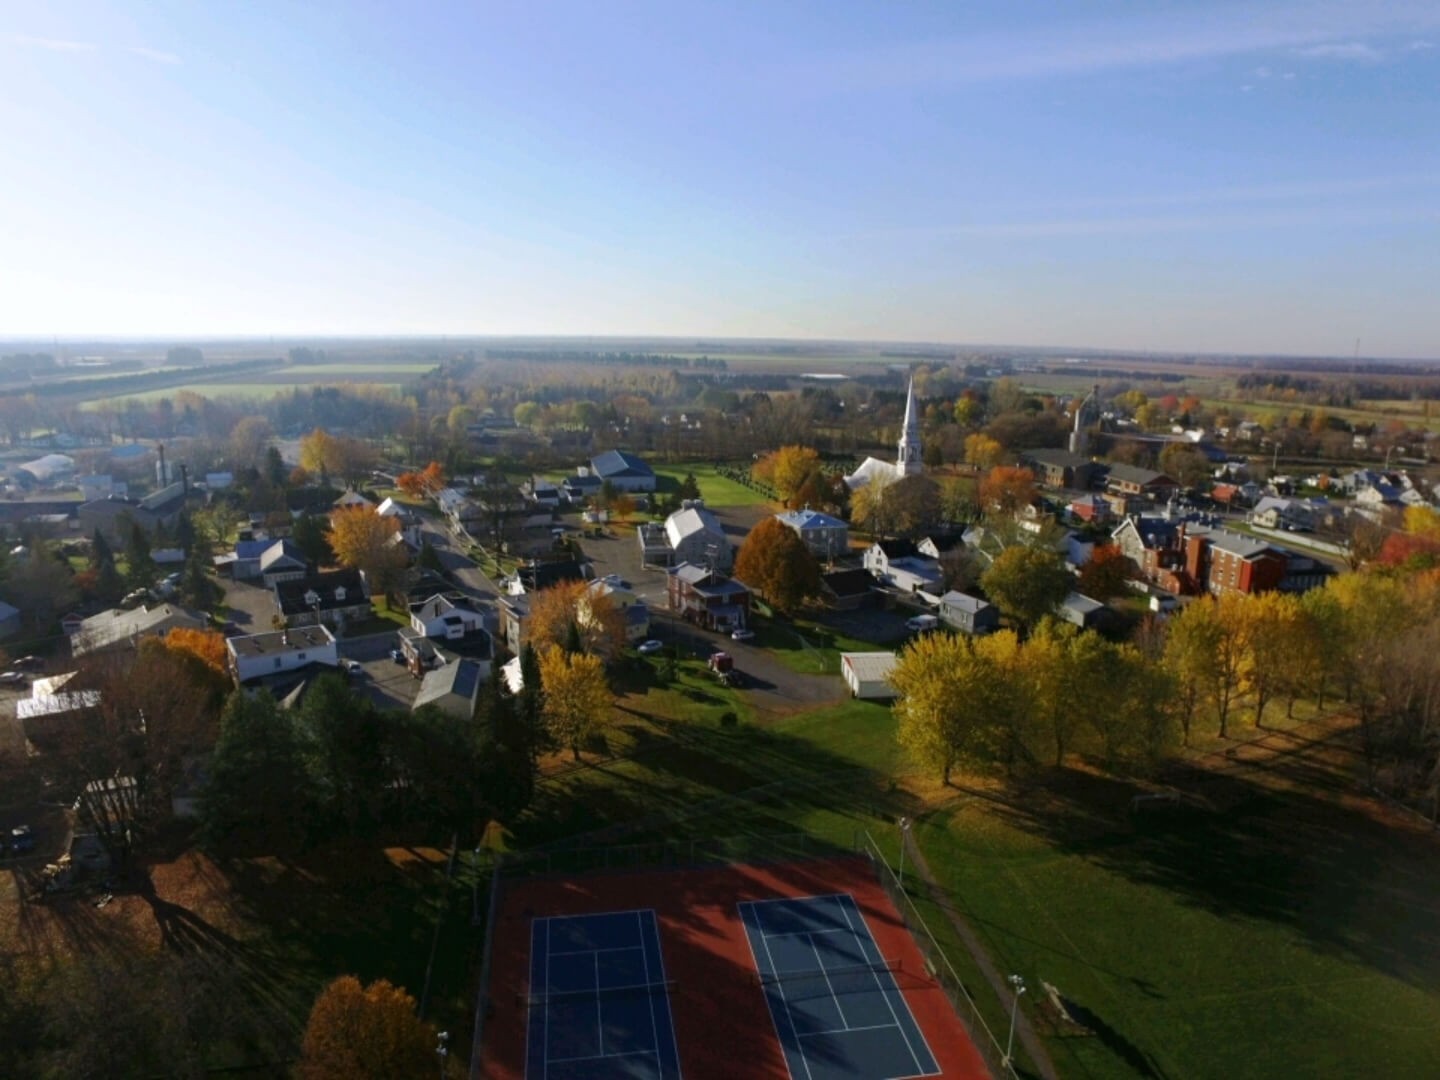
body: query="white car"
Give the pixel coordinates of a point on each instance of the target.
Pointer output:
(742, 634)
(352, 667)
(651, 646)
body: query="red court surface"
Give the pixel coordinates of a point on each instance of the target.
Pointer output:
(722, 1023)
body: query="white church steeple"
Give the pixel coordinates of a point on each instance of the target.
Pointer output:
(909, 462)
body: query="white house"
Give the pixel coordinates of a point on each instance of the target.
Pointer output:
(454, 687)
(1080, 609)
(696, 535)
(117, 628)
(623, 471)
(448, 617)
(867, 674)
(542, 492)
(968, 614)
(899, 564)
(350, 500)
(254, 656)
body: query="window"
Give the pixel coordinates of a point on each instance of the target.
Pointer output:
(277, 661)
(302, 656)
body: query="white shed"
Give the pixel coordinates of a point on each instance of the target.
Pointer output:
(867, 674)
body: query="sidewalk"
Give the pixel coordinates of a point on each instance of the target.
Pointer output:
(1024, 1032)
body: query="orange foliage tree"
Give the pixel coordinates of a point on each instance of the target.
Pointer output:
(365, 540)
(788, 470)
(571, 613)
(1007, 488)
(207, 645)
(359, 1031)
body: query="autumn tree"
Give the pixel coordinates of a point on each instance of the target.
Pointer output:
(1186, 464)
(912, 505)
(957, 703)
(573, 611)
(1027, 583)
(787, 470)
(1105, 574)
(775, 563)
(370, 1032)
(1006, 489)
(207, 646)
(577, 698)
(869, 509)
(249, 439)
(365, 540)
(982, 451)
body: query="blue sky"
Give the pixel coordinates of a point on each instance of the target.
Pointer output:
(1163, 175)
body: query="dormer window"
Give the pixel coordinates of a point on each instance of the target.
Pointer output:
(312, 598)
(340, 594)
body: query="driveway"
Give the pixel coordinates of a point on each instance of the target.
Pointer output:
(252, 607)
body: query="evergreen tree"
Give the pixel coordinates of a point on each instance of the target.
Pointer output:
(429, 559)
(530, 702)
(140, 566)
(275, 467)
(196, 588)
(260, 795)
(689, 489)
(100, 552)
(185, 533)
(108, 584)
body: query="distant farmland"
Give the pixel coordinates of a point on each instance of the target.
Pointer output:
(390, 375)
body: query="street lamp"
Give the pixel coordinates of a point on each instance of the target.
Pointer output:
(1018, 984)
(442, 1050)
(905, 824)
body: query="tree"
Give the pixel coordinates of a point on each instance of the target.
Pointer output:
(573, 613)
(364, 540)
(776, 564)
(249, 440)
(1027, 583)
(40, 586)
(108, 584)
(346, 739)
(317, 451)
(787, 470)
(958, 702)
(1007, 488)
(1185, 464)
(530, 701)
(912, 504)
(139, 566)
(365, 1033)
(982, 451)
(1105, 574)
(312, 537)
(207, 646)
(260, 796)
(577, 697)
(869, 508)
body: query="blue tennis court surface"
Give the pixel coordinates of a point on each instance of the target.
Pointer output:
(599, 1002)
(837, 1008)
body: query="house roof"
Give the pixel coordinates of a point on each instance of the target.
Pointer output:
(1131, 474)
(391, 508)
(441, 604)
(455, 685)
(690, 573)
(960, 601)
(1055, 457)
(1246, 547)
(115, 626)
(8, 611)
(56, 704)
(619, 463)
(1081, 604)
(279, 642)
(847, 583)
(251, 549)
(870, 666)
(163, 497)
(280, 552)
(870, 469)
(897, 549)
(327, 588)
(919, 565)
(582, 483)
(810, 519)
(686, 523)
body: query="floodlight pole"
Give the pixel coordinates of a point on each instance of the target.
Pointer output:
(905, 824)
(1018, 984)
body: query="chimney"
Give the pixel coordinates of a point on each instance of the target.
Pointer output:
(160, 472)
(185, 479)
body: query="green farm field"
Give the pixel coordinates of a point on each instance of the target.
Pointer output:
(717, 490)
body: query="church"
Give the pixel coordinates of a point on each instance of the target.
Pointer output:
(908, 463)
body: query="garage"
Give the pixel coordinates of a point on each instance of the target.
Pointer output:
(867, 674)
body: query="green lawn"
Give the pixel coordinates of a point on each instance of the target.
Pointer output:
(806, 647)
(717, 490)
(1281, 937)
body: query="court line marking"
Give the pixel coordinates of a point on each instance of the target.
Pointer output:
(645, 962)
(894, 985)
(545, 1044)
(587, 952)
(597, 1057)
(830, 986)
(669, 1012)
(774, 1021)
(599, 1012)
(841, 1031)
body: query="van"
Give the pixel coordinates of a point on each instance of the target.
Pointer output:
(1163, 602)
(921, 623)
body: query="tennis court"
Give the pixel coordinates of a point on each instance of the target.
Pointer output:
(599, 1002)
(837, 1007)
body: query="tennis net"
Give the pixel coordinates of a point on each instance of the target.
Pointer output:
(842, 979)
(602, 993)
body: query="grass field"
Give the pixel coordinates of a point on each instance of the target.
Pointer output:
(806, 647)
(1282, 936)
(717, 490)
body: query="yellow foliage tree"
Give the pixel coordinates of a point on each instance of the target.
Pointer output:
(363, 539)
(1423, 521)
(361, 1032)
(577, 697)
(982, 451)
(572, 613)
(788, 470)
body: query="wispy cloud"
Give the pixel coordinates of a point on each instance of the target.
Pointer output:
(1325, 30)
(51, 44)
(1419, 46)
(157, 55)
(1342, 50)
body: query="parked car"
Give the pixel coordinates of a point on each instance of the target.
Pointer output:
(12, 678)
(30, 663)
(352, 667)
(742, 634)
(922, 623)
(651, 646)
(22, 839)
(397, 656)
